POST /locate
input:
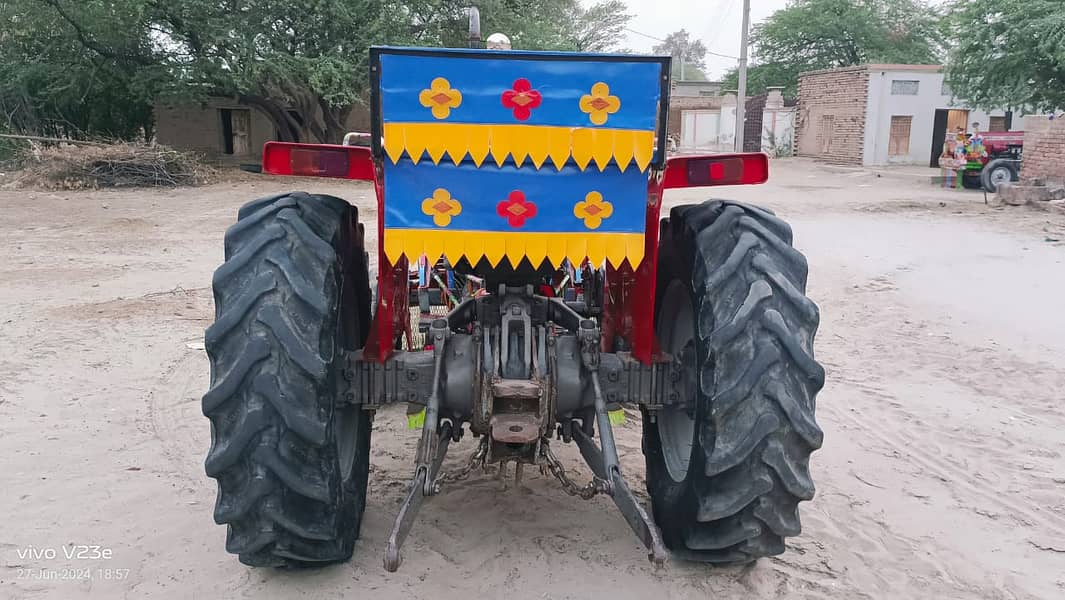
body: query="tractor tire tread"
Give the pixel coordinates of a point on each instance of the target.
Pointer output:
(274, 353)
(757, 392)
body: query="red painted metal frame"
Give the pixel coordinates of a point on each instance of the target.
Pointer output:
(629, 294)
(392, 315)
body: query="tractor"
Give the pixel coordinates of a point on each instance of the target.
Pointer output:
(993, 159)
(526, 289)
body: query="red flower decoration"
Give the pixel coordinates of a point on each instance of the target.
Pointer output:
(522, 99)
(516, 209)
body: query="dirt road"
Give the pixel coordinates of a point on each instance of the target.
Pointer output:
(942, 475)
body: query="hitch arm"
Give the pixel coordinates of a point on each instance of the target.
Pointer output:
(431, 451)
(605, 462)
(423, 479)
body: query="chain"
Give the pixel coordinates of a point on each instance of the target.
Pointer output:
(552, 464)
(476, 459)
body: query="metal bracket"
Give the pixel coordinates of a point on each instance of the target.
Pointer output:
(404, 377)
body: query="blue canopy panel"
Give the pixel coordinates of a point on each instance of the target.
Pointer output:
(464, 135)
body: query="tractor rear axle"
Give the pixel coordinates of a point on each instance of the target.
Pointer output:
(519, 368)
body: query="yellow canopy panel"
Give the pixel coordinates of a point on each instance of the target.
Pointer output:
(536, 144)
(494, 245)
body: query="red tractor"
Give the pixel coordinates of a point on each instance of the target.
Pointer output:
(523, 191)
(995, 160)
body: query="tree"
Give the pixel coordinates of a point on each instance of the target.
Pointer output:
(821, 34)
(600, 27)
(49, 84)
(1008, 53)
(303, 63)
(689, 56)
(766, 75)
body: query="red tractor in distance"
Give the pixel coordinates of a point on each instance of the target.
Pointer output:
(997, 161)
(525, 190)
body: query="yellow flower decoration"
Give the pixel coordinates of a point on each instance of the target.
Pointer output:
(599, 104)
(440, 98)
(593, 209)
(441, 207)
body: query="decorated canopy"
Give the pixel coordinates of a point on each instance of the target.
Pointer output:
(532, 155)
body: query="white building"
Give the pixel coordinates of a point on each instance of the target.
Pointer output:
(884, 114)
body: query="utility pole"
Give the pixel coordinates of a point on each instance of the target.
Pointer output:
(741, 95)
(683, 53)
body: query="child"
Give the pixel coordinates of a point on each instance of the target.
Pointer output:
(947, 163)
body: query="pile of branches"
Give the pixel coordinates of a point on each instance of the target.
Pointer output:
(81, 166)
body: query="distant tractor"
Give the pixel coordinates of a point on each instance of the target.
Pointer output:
(526, 291)
(999, 162)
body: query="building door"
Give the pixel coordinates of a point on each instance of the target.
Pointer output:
(957, 118)
(241, 132)
(939, 136)
(236, 131)
(828, 125)
(899, 137)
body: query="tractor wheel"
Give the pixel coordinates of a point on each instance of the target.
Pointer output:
(997, 172)
(291, 463)
(727, 470)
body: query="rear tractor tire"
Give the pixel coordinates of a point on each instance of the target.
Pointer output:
(291, 464)
(726, 472)
(997, 172)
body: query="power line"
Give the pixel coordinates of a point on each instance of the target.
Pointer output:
(663, 41)
(722, 18)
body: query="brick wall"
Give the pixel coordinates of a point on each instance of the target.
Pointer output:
(679, 103)
(1044, 149)
(752, 123)
(831, 114)
(197, 127)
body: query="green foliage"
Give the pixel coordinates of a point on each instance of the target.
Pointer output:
(687, 72)
(50, 84)
(1008, 53)
(69, 67)
(766, 75)
(598, 28)
(820, 34)
(680, 46)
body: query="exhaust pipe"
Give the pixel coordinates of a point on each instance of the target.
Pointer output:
(475, 26)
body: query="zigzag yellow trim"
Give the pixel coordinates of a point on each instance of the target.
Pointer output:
(494, 245)
(521, 142)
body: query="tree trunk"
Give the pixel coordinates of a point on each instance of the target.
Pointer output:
(335, 118)
(286, 129)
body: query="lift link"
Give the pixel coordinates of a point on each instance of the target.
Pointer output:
(605, 462)
(430, 455)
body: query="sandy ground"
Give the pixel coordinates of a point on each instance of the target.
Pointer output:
(942, 475)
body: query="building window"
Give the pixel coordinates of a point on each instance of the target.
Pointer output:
(904, 87)
(236, 128)
(899, 139)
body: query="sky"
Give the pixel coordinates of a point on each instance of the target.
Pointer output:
(716, 22)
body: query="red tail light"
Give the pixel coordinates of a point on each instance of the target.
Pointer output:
(318, 160)
(721, 169)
